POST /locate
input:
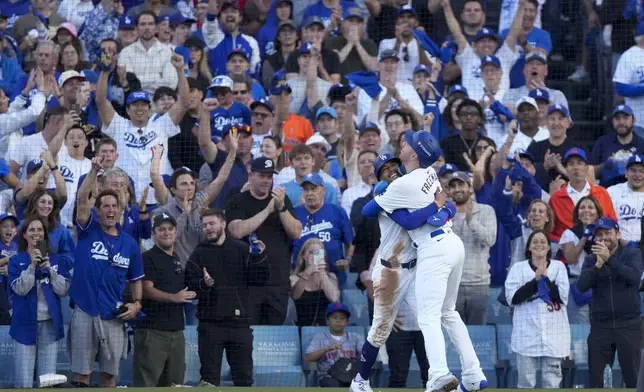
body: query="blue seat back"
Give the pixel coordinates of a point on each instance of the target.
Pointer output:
(496, 312)
(358, 304)
(193, 365)
(504, 343)
(276, 346)
(484, 341)
(7, 354)
(579, 345)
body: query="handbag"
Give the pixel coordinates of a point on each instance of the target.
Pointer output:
(344, 370)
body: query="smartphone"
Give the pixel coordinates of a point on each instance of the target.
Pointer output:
(318, 257)
(43, 247)
(76, 108)
(122, 309)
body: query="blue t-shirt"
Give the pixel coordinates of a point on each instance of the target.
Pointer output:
(330, 225)
(104, 264)
(12, 11)
(607, 148)
(294, 192)
(22, 205)
(235, 114)
(320, 10)
(538, 38)
(236, 179)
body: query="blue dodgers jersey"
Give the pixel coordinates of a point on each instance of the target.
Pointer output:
(14, 10)
(235, 114)
(8, 251)
(104, 264)
(330, 225)
(320, 10)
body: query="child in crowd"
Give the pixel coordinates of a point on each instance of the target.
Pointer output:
(8, 229)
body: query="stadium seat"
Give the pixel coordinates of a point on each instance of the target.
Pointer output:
(508, 375)
(64, 363)
(496, 312)
(350, 283)
(358, 304)
(579, 352)
(7, 353)
(484, 341)
(277, 356)
(291, 313)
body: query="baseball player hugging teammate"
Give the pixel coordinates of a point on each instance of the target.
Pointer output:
(419, 258)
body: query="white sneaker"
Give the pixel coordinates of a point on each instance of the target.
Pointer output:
(472, 386)
(579, 74)
(360, 385)
(446, 383)
(49, 380)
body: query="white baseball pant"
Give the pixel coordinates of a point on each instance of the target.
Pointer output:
(550, 372)
(438, 276)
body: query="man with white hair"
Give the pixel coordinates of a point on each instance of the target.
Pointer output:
(629, 78)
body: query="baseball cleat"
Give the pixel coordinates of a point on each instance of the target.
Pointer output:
(472, 386)
(360, 385)
(447, 383)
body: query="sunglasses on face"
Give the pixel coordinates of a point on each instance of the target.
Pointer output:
(405, 54)
(177, 266)
(241, 128)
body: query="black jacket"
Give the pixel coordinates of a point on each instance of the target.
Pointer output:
(234, 269)
(615, 286)
(367, 238)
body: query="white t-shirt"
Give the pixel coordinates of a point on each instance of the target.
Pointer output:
(405, 68)
(630, 70)
(75, 11)
(628, 206)
(569, 236)
(522, 141)
(29, 148)
(496, 129)
(412, 191)
(257, 143)
(509, 10)
(470, 64)
(135, 148)
(71, 169)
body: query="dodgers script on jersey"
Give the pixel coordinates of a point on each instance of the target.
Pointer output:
(629, 207)
(413, 191)
(103, 265)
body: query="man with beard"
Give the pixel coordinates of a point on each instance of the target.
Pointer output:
(529, 130)
(183, 149)
(223, 35)
(70, 84)
(267, 212)
(564, 200)
(149, 59)
(476, 225)
(223, 271)
(407, 47)
(611, 151)
(472, 119)
(628, 200)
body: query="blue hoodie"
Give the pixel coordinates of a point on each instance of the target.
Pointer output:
(268, 32)
(24, 320)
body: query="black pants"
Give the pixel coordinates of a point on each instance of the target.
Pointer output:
(399, 348)
(267, 305)
(602, 343)
(238, 343)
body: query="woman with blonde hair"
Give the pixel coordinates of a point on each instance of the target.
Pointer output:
(313, 287)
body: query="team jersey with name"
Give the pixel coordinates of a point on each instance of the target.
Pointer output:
(103, 264)
(628, 206)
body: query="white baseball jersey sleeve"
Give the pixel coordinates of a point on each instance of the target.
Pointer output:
(628, 206)
(630, 70)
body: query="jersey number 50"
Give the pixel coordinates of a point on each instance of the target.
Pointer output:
(324, 236)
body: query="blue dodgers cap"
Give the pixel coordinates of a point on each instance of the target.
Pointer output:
(380, 162)
(337, 307)
(221, 81)
(406, 9)
(126, 23)
(177, 19)
(15, 220)
(34, 165)
(422, 68)
(525, 154)
(457, 88)
(353, 12)
(447, 169)
(625, 109)
(237, 52)
(635, 159)
(305, 48)
(326, 110)
(265, 102)
(606, 223)
(369, 126)
(163, 18)
(539, 94)
(490, 60)
(575, 152)
(314, 20)
(425, 146)
(388, 54)
(136, 97)
(536, 55)
(486, 33)
(312, 178)
(559, 108)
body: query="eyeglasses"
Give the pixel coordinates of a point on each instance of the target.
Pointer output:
(405, 54)
(240, 92)
(177, 266)
(261, 115)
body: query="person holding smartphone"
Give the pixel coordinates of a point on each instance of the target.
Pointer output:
(38, 280)
(313, 287)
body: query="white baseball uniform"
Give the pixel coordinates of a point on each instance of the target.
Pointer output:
(540, 332)
(392, 287)
(629, 206)
(440, 255)
(630, 70)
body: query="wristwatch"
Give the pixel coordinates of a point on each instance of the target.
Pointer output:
(283, 209)
(54, 168)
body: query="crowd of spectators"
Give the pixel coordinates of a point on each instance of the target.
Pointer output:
(213, 156)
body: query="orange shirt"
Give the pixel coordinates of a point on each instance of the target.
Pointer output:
(296, 130)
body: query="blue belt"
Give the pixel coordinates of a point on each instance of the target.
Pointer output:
(434, 234)
(408, 265)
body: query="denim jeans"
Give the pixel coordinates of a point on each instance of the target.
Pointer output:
(46, 350)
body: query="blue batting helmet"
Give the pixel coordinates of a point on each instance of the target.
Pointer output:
(425, 146)
(381, 160)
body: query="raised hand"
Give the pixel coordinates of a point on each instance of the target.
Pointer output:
(31, 82)
(209, 104)
(157, 151)
(143, 207)
(177, 61)
(440, 198)
(97, 163)
(428, 120)
(233, 141)
(48, 158)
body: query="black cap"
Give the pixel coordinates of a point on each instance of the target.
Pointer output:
(198, 84)
(262, 165)
(229, 4)
(162, 218)
(194, 42)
